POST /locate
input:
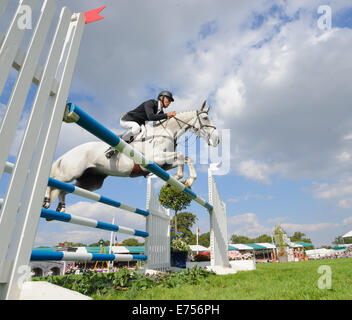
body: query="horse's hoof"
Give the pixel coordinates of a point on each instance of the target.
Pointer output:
(188, 184)
(61, 208)
(46, 203)
(47, 219)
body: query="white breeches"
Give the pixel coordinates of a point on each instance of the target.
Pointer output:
(133, 128)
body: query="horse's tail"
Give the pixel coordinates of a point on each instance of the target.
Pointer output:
(55, 172)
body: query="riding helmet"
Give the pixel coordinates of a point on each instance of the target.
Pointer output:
(166, 93)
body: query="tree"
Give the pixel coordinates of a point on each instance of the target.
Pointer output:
(340, 240)
(131, 242)
(279, 239)
(263, 238)
(240, 239)
(100, 242)
(71, 244)
(204, 239)
(171, 198)
(299, 236)
(185, 221)
(243, 239)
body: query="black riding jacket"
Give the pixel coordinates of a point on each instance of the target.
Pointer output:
(147, 111)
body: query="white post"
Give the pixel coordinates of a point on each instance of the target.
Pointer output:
(197, 238)
(218, 229)
(111, 263)
(157, 245)
(3, 5)
(23, 161)
(17, 249)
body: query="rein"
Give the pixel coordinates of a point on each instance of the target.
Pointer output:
(188, 126)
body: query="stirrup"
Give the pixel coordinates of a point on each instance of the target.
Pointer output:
(110, 152)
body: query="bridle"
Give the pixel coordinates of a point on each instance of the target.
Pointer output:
(189, 126)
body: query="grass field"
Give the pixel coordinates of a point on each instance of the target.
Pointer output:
(271, 281)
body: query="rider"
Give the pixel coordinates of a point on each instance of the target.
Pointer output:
(150, 110)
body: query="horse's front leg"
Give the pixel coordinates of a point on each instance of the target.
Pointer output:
(192, 172)
(171, 160)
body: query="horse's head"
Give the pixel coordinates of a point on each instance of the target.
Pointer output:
(204, 128)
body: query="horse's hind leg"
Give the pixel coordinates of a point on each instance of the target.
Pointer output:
(61, 205)
(91, 180)
(46, 202)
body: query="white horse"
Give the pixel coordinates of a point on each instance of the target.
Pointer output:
(88, 165)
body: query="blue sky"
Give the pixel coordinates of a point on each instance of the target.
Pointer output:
(279, 83)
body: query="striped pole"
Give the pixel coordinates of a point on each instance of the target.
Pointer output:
(70, 218)
(75, 114)
(85, 193)
(93, 196)
(38, 255)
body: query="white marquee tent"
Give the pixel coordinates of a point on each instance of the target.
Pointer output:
(347, 235)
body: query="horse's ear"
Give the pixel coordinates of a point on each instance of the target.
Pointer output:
(207, 109)
(203, 105)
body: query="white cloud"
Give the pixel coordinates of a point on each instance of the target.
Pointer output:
(347, 136)
(230, 98)
(234, 200)
(347, 221)
(277, 220)
(255, 170)
(344, 156)
(249, 196)
(345, 203)
(246, 224)
(291, 227)
(102, 212)
(339, 192)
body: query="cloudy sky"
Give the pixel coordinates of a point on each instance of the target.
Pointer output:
(275, 74)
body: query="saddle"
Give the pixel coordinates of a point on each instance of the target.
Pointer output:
(141, 135)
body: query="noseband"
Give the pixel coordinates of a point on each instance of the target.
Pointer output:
(201, 125)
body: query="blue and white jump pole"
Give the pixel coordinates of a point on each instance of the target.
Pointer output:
(75, 114)
(82, 221)
(94, 196)
(38, 255)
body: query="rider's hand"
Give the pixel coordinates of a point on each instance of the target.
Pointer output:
(171, 114)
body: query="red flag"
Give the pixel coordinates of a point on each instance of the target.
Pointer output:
(197, 230)
(93, 15)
